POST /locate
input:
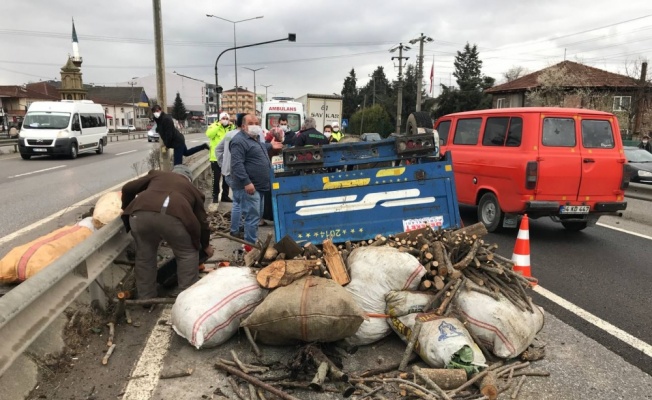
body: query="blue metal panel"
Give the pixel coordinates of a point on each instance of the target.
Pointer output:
(357, 205)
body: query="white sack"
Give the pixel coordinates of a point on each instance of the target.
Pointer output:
(404, 302)
(210, 311)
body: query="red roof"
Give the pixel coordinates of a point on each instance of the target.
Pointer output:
(586, 77)
(21, 92)
(44, 88)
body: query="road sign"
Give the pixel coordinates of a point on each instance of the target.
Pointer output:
(345, 123)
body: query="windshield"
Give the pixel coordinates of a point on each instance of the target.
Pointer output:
(638, 156)
(46, 120)
(294, 121)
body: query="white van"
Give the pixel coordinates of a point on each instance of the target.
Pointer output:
(65, 127)
(275, 109)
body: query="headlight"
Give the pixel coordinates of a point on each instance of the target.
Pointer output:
(63, 134)
(644, 173)
(20, 135)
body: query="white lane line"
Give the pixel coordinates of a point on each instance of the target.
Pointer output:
(8, 158)
(57, 214)
(36, 172)
(150, 363)
(126, 152)
(599, 323)
(624, 231)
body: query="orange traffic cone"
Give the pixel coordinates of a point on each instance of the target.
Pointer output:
(521, 256)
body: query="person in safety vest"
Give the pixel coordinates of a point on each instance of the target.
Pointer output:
(216, 132)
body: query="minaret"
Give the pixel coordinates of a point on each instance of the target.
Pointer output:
(76, 59)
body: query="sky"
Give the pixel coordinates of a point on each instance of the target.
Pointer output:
(116, 38)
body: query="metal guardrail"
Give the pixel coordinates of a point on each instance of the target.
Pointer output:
(129, 136)
(639, 191)
(10, 142)
(28, 309)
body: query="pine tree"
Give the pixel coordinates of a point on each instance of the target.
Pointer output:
(178, 109)
(350, 95)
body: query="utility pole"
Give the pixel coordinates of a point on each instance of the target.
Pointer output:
(160, 56)
(399, 100)
(255, 95)
(373, 99)
(420, 39)
(133, 103)
(266, 86)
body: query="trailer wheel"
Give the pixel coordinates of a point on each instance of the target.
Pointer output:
(489, 212)
(416, 120)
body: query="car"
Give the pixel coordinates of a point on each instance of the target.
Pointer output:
(152, 135)
(640, 164)
(131, 128)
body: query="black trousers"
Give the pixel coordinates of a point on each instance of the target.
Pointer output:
(217, 175)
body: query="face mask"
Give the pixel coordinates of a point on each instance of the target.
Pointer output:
(157, 114)
(225, 122)
(327, 134)
(284, 127)
(645, 142)
(254, 130)
(336, 129)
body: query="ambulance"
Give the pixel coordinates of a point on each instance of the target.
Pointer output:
(274, 109)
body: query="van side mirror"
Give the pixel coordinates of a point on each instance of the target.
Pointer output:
(76, 127)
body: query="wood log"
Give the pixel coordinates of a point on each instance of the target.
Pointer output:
(283, 272)
(270, 254)
(317, 383)
(464, 262)
(478, 230)
(105, 359)
(533, 354)
(335, 263)
(319, 357)
(439, 282)
(176, 374)
(446, 379)
(271, 389)
(488, 386)
(431, 383)
(425, 285)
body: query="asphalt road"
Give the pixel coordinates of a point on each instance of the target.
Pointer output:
(34, 189)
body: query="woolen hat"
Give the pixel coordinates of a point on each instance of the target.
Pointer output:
(223, 115)
(183, 170)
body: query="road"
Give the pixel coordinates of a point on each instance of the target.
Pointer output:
(34, 189)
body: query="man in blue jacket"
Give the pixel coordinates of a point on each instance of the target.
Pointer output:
(250, 172)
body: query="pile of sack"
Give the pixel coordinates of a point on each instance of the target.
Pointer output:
(24, 261)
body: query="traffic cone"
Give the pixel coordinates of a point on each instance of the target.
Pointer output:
(521, 256)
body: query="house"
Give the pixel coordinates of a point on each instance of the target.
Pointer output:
(121, 104)
(571, 84)
(15, 100)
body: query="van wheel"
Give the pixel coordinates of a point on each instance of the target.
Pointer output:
(489, 212)
(416, 120)
(100, 147)
(26, 156)
(72, 153)
(574, 226)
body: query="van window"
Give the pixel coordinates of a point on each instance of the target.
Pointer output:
(294, 120)
(495, 131)
(515, 132)
(467, 131)
(442, 130)
(94, 120)
(46, 120)
(559, 132)
(597, 134)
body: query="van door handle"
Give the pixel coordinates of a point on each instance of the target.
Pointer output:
(588, 160)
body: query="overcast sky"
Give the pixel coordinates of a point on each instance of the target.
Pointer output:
(116, 38)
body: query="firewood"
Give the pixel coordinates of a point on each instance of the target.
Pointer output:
(310, 249)
(431, 383)
(409, 250)
(533, 354)
(379, 242)
(280, 256)
(488, 385)
(518, 387)
(335, 263)
(478, 230)
(446, 379)
(464, 262)
(270, 254)
(105, 359)
(449, 297)
(411, 343)
(177, 374)
(425, 285)
(317, 383)
(111, 326)
(283, 272)
(271, 389)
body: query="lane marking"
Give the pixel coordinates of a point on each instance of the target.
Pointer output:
(150, 363)
(9, 158)
(59, 213)
(36, 172)
(624, 231)
(126, 152)
(597, 322)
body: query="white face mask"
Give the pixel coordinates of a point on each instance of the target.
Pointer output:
(327, 134)
(254, 130)
(645, 141)
(225, 122)
(284, 127)
(336, 129)
(157, 114)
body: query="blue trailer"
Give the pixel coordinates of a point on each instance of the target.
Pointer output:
(355, 191)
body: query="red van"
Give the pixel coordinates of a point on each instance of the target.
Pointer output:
(563, 163)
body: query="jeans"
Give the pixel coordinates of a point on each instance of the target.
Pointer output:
(182, 150)
(236, 211)
(250, 206)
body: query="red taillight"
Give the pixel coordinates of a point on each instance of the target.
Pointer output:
(531, 175)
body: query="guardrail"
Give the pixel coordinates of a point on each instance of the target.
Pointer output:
(10, 142)
(130, 136)
(639, 191)
(28, 309)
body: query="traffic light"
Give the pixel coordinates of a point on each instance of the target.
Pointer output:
(292, 37)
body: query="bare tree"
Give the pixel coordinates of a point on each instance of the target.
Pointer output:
(514, 73)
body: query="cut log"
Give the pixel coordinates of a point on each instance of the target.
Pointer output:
(335, 263)
(425, 285)
(488, 386)
(439, 283)
(446, 379)
(270, 254)
(283, 272)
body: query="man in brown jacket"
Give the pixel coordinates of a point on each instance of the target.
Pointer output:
(166, 206)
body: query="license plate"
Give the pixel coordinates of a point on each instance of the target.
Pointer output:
(41, 150)
(574, 209)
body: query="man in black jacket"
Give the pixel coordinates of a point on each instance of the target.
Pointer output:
(172, 138)
(311, 136)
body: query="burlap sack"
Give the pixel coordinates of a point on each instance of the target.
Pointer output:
(107, 208)
(311, 309)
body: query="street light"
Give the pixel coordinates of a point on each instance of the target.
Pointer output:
(291, 38)
(420, 40)
(235, 53)
(266, 86)
(254, 71)
(133, 102)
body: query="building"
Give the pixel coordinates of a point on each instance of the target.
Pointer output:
(15, 100)
(571, 84)
(245, 101)
(123, 105)
(72, 85)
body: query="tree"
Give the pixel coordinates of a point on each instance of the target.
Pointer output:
(375, 118)
(471, 84)
(514, 73)
(178, 109)
(350, 95)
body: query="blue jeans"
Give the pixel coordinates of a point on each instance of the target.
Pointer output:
(250, 206)
(236, 211)
(181, 151)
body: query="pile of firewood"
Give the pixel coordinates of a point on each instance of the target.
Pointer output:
(219, 221)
